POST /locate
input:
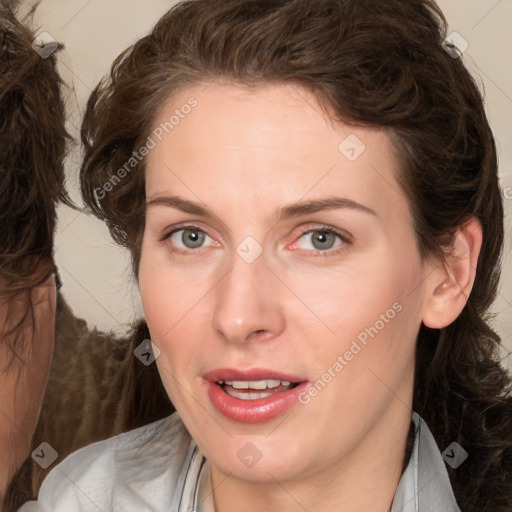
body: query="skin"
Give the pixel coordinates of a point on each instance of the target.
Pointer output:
(24, 382)
(244, 154)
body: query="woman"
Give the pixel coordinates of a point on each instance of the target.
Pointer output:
(309, 194)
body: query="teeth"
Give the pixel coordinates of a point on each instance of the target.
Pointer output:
(248, 396)
(255, 384)
(238, 384)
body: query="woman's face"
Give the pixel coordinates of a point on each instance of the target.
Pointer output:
(279, 254)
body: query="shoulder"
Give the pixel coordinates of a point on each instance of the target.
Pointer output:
(140, 465)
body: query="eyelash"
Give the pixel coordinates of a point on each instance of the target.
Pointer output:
(345, 239)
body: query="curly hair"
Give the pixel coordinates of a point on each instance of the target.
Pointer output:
(34, 141)
(369, 63)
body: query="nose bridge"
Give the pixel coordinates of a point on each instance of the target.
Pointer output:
(247, 302)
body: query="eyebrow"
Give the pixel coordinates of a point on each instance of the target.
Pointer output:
(284, 212)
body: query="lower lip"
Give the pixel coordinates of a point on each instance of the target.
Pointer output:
(253, 411)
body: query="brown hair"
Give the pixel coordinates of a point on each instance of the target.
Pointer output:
(373, 64)
(33, 141)
(32, 151)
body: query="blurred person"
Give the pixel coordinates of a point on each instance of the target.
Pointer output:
(82, 402)
(33, 141)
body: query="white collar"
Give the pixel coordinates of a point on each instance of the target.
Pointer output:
(423, 487)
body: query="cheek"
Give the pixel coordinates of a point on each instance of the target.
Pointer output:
(168, 298)
(174, 309)
(369, 312)
(358, 293)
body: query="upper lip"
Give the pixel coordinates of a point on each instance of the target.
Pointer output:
(248, 375)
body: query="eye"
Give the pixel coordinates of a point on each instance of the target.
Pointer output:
(324, 241)
(187, 238)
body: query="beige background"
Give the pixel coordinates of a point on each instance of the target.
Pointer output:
(95, 273)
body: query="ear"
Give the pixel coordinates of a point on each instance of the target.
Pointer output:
(450, 281)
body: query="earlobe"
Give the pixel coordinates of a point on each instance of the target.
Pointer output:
(450, 282)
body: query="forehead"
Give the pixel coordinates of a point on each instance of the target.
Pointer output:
(272, 143)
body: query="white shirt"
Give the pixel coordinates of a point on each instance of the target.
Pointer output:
(159, 468)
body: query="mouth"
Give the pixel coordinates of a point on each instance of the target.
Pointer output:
(253, 396)
(255, 389)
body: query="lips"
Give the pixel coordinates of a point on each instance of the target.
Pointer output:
(253, 396)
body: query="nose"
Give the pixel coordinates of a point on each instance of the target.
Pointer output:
(248, 305)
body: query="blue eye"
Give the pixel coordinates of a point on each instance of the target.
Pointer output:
(191, 237)
(322, 240)
(317, 241)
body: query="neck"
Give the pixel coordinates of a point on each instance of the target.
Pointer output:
(364, 479)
